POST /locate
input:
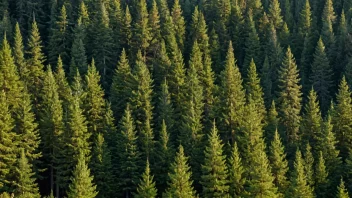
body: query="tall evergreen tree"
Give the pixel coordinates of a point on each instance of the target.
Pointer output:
(82, 182)
(309, 165)
(321, 177)
(78, 50)
(274, 14)
(214, 179)
(18, 53)
(236, 176)
(146, 188)
(290, 98)
(341, 190)
(321, 77)
(180, 184)
(179, 24)
(142, 31)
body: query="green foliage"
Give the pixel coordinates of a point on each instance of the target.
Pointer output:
(341, 190)
(236, 171)
(146, 188)
(321, 177)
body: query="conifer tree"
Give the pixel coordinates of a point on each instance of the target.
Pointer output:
(161, 65)
(232, 97)
(252, 45)
(142, 31)
(142, 106)
(82, 182)
(129, 156)
(327, 33)
(155, 31)
(342, 119)
(321, 77)
(180, 183)
(279, 164)
(78, 50)
(341, 190)
(254, 89)
(26, 185)
(321, 177)
(299, 186)
(272, 123)
(179, 24)
(290, 98)
(60, 38)
(52, 128)
(64, 89)
(34, 78)
(8, 144)
(27, 129)
(214, 178)
(311, 122)
(309, 165)
(126, 29)
(304, 22)
(9, 79)
(274, 14)
(236, 171)
(121, 87)
(261, 180)
(18, 53)
(102, 167)
(146, 188)
(266, 81)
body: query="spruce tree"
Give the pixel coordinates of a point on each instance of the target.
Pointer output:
(215, 174)
(25, 185)
(272, 123)
(146, 188)
(82, 185)
(18, 53)
(321, 77)
(8, 144)
(341, 190)
(311, 130)
(179, 24)
(309, 165)
(129, 156)
(274, 14)
(232, 97)
(321, 177)
(236, 175)
(78, 50)
(342, 119)
(155, 31)
(279, 164)
(328, 19)
(267, 82)
(142, 35)
(299, 186)
(180, 183)
(290, 98)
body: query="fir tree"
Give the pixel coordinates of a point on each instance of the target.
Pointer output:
(82, 182)
(274, 14)
(299, 186)
(321, 177)
(279, 164)
(308, 165)
(78, 50)
(321, 77)
(179, 24)
(341, 190)
(8, 144)
(232, 97)
(146, 188)
(342, 118)
(128, 152)
(180, 184)
(327, 33)
(26, 185)
(290, 98)
(18, 53)
(214, 179)
(236, 176)
(142, 35)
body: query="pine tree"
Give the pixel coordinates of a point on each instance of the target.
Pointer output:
(308, 165)
(179, 24)
(261, 180)
(82, 182)
(321, 77)
(34, 78)
(121, 87)
(129, 156)
(142, 107)
(299, 186)
(8, 144)
(78, 50)
(142, 31)
(290, 98)
(327, 33)
(9, 79)
(146, 188)
(274, 14)
(18, 53)
(266, 81)
(126, 31)
(254, 89)
(321, 177)
(236, 176)
(311, 122)
(102, 168)
(232, 97)
(26, 185)
(180, 184)
(60, 38)
(341, 190)
(214, 179)
(155, 31)
(279, 164)
(342, 119)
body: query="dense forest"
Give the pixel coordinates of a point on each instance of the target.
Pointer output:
(175, 98)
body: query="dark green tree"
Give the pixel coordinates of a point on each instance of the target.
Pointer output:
(236, 175)
(146, 187)
(142, 31)
(215, 174)
(321, 177)
(309, 166)
(179, 24)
